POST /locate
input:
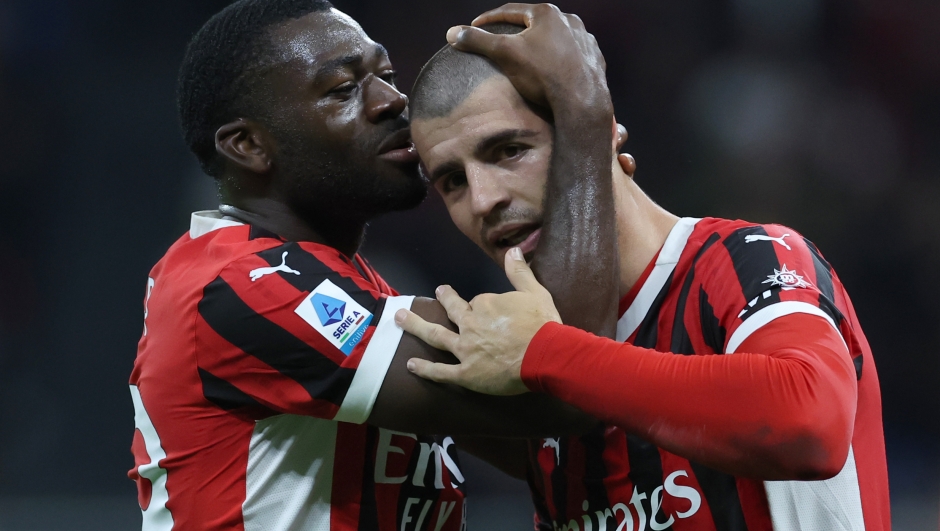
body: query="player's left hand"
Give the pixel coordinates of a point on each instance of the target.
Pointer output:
(495, 331)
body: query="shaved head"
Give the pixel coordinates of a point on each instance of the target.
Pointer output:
(450, 76)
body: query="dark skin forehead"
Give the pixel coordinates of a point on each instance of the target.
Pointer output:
(323, 42)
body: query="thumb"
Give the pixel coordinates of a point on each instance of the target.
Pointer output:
(519, 273)
(475, 40)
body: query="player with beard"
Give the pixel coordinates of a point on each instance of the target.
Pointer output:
(740, 393)
(270, 388)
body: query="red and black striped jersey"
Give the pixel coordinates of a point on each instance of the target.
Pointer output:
(714, 284)
(259, 363)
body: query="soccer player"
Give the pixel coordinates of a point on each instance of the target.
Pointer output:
(270, 388)
(740, 392)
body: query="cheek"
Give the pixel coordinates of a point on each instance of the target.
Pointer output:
(464, 221)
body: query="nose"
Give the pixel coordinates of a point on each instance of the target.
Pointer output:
(487, 195)
(382, 100)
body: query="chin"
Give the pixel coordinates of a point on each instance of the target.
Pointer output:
(401, 196)
(403, 190)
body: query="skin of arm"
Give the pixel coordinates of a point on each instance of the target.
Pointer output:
(577, 251)
(414, 405)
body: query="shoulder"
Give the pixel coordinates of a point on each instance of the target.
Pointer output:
(746, 249)
(758, 272)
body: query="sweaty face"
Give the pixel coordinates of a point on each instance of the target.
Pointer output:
(339, 122)
(489, 160)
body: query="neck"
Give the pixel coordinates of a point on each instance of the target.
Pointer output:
(277, 217)
(643, 227)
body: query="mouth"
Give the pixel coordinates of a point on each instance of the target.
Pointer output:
(522, 235)
(398, 148)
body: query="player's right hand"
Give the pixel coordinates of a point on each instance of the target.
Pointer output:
(495, 331)
(553, 62)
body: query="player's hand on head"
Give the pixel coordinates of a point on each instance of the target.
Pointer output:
(495, 331)
(554, 61)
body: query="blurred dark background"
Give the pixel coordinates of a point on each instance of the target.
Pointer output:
(820, 114)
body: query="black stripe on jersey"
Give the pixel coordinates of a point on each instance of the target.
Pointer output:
(712, 331)
(254, 334)
(721, 493)
(226, 395)
(256, 232)
(560, 481)
(827, 296)
(823, 271)
(646, 472)
(753, 262)
(313, 272)
(646, 464)
(648, 331)
(681, 342)
(595, 470)
(368, 507)
(424, 494)
(857, 362)
(536, 480)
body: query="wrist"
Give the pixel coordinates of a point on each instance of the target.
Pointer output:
(587, 101)
(529, 370)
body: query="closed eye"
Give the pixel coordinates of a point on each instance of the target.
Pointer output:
(389, 77)
(344, 89)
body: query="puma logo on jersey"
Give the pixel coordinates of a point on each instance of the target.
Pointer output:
(751, 238)
(554, 443)
(255, 274)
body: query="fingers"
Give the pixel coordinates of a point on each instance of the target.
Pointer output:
(437, 372)
(475, 40)
(431, 333)
(520, 14)
(519, 273)
(454, 304)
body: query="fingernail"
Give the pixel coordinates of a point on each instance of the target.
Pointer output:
(400, 316)
(411, 365)
(452, 34)
(516, 253)
(439, 290)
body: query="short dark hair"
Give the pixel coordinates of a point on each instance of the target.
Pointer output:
(214, 85)
(450, 76)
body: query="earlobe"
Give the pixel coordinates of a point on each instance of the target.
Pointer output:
(619, 135)
(243, 144)
(627, 164)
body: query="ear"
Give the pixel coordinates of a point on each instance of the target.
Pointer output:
(245, 144)
(619, 135)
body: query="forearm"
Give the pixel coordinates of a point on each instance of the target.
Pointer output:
(577, 258)
(412, 404)
(509, 456)
(782, 416)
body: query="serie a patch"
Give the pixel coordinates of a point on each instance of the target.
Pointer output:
(333, 313)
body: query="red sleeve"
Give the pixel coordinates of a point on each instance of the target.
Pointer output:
(787, 398)
(295, 329)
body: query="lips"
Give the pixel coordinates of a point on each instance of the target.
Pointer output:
(523, 235)
(398, 147)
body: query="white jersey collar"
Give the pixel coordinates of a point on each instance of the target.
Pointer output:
(665, 264)
(206, 221)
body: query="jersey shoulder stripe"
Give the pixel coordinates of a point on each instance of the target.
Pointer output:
(240, 325)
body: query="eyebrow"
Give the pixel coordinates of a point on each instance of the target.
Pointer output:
(340, 63)
(482, 146)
